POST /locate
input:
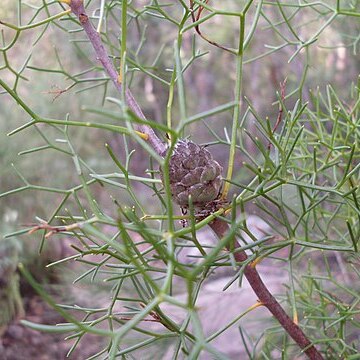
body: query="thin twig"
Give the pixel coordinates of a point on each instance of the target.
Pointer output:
(196, 17)
(78, 9)
(51, 230)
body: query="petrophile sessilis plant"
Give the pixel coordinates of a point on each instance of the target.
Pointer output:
(157, 150)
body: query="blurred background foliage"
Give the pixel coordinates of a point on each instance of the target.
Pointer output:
(52, 69)
(331, 57)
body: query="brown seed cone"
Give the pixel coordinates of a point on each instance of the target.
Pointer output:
(193, 171)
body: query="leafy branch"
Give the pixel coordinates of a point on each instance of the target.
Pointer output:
(219, 226)
(297, 168)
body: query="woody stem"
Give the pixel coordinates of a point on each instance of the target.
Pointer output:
(221, 227)
(78, 9)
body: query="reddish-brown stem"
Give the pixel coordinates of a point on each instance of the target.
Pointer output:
(77, 7)
(195, 17)
(221, 227)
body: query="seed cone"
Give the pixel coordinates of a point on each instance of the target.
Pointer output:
(193, 171)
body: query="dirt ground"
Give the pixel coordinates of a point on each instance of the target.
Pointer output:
(22, 343)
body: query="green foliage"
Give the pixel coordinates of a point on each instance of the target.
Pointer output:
(10, 298)
(109, 202)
